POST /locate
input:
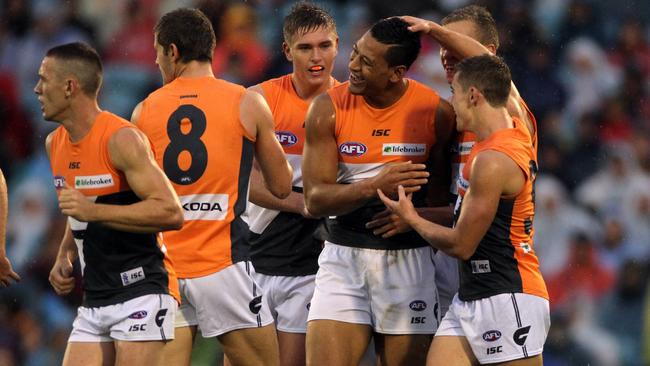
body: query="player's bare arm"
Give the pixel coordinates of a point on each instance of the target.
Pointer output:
(492, 176)
(257, 119)
(464, 46)
(61, 277)
(135, 115)
(159, 208)
(6, 271)
(261, 196)
(323, 195)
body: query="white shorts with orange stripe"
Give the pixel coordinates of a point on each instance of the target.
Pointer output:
(499, 328)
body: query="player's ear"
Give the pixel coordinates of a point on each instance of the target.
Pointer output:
(173, 52)
(398, 73)
(287, 51)
(492, 48)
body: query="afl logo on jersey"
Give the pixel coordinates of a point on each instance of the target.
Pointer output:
(418, 305)
(59, 181)
(491, 335)
(138, 314)
(286, 138)
(352, 149)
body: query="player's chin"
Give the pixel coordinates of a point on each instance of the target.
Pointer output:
(356, 89)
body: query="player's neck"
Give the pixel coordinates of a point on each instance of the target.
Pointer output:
(194, 69)
(389, 97)
(80, 119)
(307, 91)
(489, 120)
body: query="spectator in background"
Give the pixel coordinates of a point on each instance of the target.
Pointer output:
(131, 44)
(583, 277)
(632, 49)
(587, 78)
(621, 310)
(239, 57)
(556, 220)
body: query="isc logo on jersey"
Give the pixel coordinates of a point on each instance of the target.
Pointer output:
(352, 149)
(286, 138)
(404, 149)
(212, 207)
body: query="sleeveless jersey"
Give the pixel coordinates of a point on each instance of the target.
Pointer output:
(369, 138)
(207, 154)
(283, 243)
(505, 260)
(466, 139)
(116, 266)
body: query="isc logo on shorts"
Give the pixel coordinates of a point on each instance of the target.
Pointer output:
(210, 207)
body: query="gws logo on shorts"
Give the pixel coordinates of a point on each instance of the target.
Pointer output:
(140, 314)
(210, 207)
(255, 305)
(286, 138)
(521, 335)
(353, 149)
(59, 182)
(308, 306)
(418, 305)
(93, 181)
(160, 317)
(404, 149)
(491, 335)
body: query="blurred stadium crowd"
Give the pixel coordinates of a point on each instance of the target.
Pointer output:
(582, 66)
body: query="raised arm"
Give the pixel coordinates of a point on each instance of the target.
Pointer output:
(464, 46)
(257, 119)
(493, 174)
(159, 208)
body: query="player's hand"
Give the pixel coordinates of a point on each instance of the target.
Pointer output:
(7, 272)
(73, 203)
(61, 277)
(403, 207)
(387, 224)
(417, 24)
(410, 176)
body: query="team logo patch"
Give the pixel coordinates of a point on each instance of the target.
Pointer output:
(491, 335)
(481, 266)
(286, 138)
(93, 181)
(59, 181)
(404, 149)
(255, 305)
(132, 276)
(352, 149)
(140, 314)
(418, 305)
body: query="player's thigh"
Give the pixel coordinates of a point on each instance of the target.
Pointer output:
(450, 351)
(179, 351)
(530, 361)
(251, 346)
(402, 349)
(331, 342)
(292, 348)
(138, 352)
(89, 354)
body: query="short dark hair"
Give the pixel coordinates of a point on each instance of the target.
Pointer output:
(306, 17)
(405, 45)
(190, 30)
(482, 19)
(83, 62)
(489, 74)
